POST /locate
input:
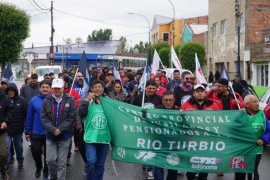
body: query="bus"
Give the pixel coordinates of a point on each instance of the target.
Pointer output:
(125, 62)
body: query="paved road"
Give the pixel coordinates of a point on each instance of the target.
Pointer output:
(125, 171)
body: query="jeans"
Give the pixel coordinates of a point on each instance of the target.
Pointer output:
(242, 176)
(96, 155)
(3, 152)
(159, 174)
(18, 145)
(56, 159)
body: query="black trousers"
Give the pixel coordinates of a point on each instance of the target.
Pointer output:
(76, 137)
(191, 176)
(82, 147)
(38, 147)
(242, 176)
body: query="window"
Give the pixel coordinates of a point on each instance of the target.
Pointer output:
(214, 33)
(262, 75)
(165, 37)
(223, 27)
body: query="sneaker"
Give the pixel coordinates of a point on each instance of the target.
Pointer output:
(197, 175)
(180, 173)
(38, 173)
(68, 162)
(4, 175)
(45, 176)
(20, 165)
(150, 175)
(76, 148)
(220, 174)
(29, 143)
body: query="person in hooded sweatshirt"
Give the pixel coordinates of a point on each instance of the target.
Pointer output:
(16, 125)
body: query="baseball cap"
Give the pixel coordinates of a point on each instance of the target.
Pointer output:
(4, 80)
(110, 73)
(57, 83)
(223, 81)
(34, 76)
(199, 86)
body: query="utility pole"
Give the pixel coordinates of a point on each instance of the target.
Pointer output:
(238, 20)
(52, 31)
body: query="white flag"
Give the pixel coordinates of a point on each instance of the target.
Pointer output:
(199, 73)
(155, 64)
(175, 60)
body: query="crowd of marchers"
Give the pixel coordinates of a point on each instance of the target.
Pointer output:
(49, 113)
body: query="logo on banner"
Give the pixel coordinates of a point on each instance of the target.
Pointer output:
(145, 155)
(237, 162)
(205, 162)
(99, 121)
(121, 152)
(173, 159)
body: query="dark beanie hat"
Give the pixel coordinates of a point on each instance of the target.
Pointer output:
(223, 81)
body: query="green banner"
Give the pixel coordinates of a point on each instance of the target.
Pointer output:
(194, 141)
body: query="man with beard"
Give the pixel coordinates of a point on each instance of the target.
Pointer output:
(261, 128)
(79, 84)
(184, 90)
(198, 101)
(30, 90)
(35, 129)
(224, 97)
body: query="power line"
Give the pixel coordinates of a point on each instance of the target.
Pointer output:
(100, 21)
(259, 10)
(38, 5)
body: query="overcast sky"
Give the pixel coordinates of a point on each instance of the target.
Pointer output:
(78, 18)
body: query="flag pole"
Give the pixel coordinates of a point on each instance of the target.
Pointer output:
(144, 84)
(230, 85)
(73, 81)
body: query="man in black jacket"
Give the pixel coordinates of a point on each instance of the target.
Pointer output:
(16, 125)
(5, 118)
(30, 90)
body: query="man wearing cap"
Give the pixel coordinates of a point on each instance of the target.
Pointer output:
(109, 83)
(31, 89)
(4, 83)
(199, 101)
(47, 77)
(57, 115)
(222, 95)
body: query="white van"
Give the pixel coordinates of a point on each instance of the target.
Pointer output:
(42, 70)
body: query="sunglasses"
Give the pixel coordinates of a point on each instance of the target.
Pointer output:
(188, 79)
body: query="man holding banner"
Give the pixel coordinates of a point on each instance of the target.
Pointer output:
(199, 102)
(167, 103)
(97, 136)
(261, 128)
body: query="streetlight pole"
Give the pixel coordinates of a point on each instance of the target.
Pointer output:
(172, 22)
(148, 25)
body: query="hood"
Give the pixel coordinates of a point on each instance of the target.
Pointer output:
(12, 86)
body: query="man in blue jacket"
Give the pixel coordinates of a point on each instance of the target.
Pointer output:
(35, 129)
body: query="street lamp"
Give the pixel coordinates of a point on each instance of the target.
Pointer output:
(147, 22)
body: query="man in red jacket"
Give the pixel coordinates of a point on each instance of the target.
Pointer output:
(222, 95)
(199, 101)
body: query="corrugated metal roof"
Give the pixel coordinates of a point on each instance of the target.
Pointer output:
(198, 28)
(101, 47)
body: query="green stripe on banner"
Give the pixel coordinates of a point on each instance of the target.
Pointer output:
(198, 141)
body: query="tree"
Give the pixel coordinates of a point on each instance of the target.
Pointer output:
(142, 47)
(14, 29)
(123, 40)
(100, 35)
(158, 47)
(187, 55)
(164, 56)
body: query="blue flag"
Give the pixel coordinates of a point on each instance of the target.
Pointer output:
(84, 69)
(8, 73)
(224, 74)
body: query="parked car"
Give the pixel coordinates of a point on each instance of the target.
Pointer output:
(265, 99)
(42, 70)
